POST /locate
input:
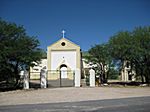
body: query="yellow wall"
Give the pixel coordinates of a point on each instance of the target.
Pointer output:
(69, 46)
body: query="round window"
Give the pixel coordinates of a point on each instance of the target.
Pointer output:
(63, 43)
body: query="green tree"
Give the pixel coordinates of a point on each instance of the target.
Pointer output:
(133, 47)
(113, 73)
(17, 51)
(99, 55)
(121, 48)
(120, 45)
(141, 52)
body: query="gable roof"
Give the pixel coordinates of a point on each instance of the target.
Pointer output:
(63, 40)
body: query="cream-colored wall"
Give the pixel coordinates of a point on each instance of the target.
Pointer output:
(124, 73)
(57, 47)
(63, 57)
(69, 46)
(55, 75)
(35, 71)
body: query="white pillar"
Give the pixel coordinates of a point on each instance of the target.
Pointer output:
(43, 78)
(21, 74)
(26, 80)
(126, 75)
(77, 77)
(92, 78)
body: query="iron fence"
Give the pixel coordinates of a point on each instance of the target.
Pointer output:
(59, 78)
(55, 78)
(34, 80)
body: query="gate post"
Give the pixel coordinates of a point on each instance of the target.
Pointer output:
(77, 77)
(43, 78)
(92, 78)
(26, 80)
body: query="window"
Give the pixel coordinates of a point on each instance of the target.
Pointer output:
(63, 43)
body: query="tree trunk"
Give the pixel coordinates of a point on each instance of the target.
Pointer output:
(100, 78)
(147, 79)
(106, 77)
(16, 72)
(142, 79)
(139, 71)
(142, 75)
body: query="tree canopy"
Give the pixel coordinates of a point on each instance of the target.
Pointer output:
(132, 46)
(99, 55)
(17, 51)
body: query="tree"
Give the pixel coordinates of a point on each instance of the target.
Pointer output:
(141, 50)
(99, 55)
(133, 47)
(120, 45)
(17, 51)
(121, 48)
(113, 73)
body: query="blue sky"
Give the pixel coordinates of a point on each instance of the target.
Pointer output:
(87, 22)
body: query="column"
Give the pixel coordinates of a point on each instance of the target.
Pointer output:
(26, 80)
(92, 78)
(43, 78)
(77, 78)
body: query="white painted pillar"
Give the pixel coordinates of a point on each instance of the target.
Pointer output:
(77, 77)
(26, 80)
(92, 78)
(21, 74)
(43, 78)
(126, 75)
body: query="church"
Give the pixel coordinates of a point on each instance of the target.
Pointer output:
(62, 63)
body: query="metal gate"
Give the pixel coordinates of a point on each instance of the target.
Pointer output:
(34, 80)
(60, 78)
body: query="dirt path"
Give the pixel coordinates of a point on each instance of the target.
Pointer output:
(53, 95)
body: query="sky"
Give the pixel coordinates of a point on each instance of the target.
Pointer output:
(86, 22)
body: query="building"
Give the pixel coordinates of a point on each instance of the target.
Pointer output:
(35, 71)
(127, 74)
(63, 60)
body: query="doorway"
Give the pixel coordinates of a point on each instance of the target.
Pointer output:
(63, 70)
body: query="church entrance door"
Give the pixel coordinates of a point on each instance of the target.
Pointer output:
(63, 70)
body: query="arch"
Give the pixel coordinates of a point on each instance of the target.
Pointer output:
(63, 71)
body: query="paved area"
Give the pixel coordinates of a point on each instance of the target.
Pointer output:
(58, 95)
(136, 104)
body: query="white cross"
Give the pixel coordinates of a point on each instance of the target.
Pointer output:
(63, 32)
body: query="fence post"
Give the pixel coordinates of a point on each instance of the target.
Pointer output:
(26, 80)
(43, 78)
(77, 77)
(92, 78)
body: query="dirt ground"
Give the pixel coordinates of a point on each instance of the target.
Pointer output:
(70, 94)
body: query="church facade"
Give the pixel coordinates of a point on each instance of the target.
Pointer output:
(63, 59)
(63, 55)
(63, 64)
